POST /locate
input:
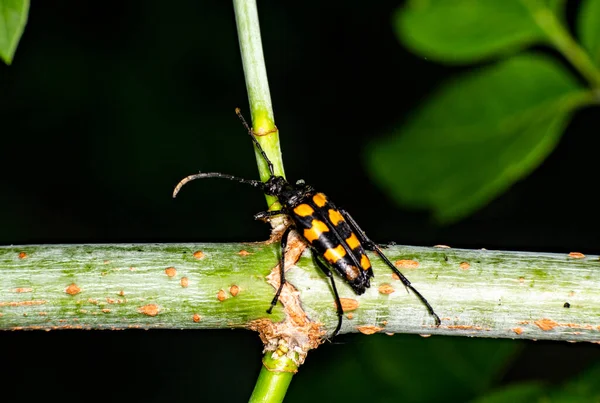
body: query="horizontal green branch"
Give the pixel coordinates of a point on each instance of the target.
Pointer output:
(475, 292)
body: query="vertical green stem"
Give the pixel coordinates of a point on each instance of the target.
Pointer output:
(276, 373)
(274, 379)
(255, 71)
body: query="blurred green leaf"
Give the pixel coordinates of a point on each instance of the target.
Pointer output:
(588, 28)
(530, 392)
(476, 136)
(585, 388)
(404, 368)
(462, 31)
(13, 17)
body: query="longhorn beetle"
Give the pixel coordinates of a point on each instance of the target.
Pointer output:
(335, 238)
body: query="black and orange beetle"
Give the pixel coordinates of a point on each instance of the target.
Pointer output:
(335, 238)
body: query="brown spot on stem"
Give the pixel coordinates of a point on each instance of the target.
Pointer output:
(464, 265)
(198, 254)
(406, 264)
(196, 318)
(106, 310)
(22, 255)
(171, 271)
(150, 310)
(22, 289)
(441, 246)
(73, 289)
(234, 290)
(350, 316)
(517, 330)
(348, 304)
(42, 313)
(521, 280)
(121, 293)
(22, 303)
(545, 324)
(576, 255)
(244, 253)
(184, 282)
(221, 296)
(386, 289)
(369, 329)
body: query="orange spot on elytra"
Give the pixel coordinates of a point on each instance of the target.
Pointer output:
(22, 255)
(150, 310)
(73, 289)
(576, 255)
(320, 199)
(234, 290)
(369, 329)
(303, 210)
(334, 254)
(171, 271)
(545, 324)
(196, 318)
(365, 263)
(386, 289)
(352, 241)
(317, 228)
(335, 217)
(464, 265)
(406, 264)
(184, 282)
(221, 296)
(198, 254)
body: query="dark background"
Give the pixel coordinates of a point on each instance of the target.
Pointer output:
(108, 105)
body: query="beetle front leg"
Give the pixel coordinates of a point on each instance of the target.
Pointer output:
(284, 239)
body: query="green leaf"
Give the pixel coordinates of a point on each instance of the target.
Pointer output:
(462, 31)
(13, 18)
(588, 28)
(477, 136)
(584, 388)
(529, 392)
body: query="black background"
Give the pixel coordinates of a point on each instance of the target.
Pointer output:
(108, 105)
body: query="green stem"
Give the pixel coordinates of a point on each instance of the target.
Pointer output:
(562, 40)
(476, 293)
(255, 71)
(274, 378)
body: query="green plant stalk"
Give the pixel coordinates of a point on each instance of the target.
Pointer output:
(257, 84)
(562, 40)
(271, 385)
(475, 292)
(274, 378)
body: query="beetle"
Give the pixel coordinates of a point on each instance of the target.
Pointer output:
(335, 238)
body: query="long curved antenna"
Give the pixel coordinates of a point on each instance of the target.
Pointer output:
(256, 143)
(256, 184)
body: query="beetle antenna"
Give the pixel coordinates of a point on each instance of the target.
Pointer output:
(256, 184)
(256, 143)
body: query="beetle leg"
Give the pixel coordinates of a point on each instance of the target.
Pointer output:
(372, 246)
(284, 239)
(266, 215)
(338, 303)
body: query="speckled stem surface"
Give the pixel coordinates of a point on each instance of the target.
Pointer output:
(475, 292)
